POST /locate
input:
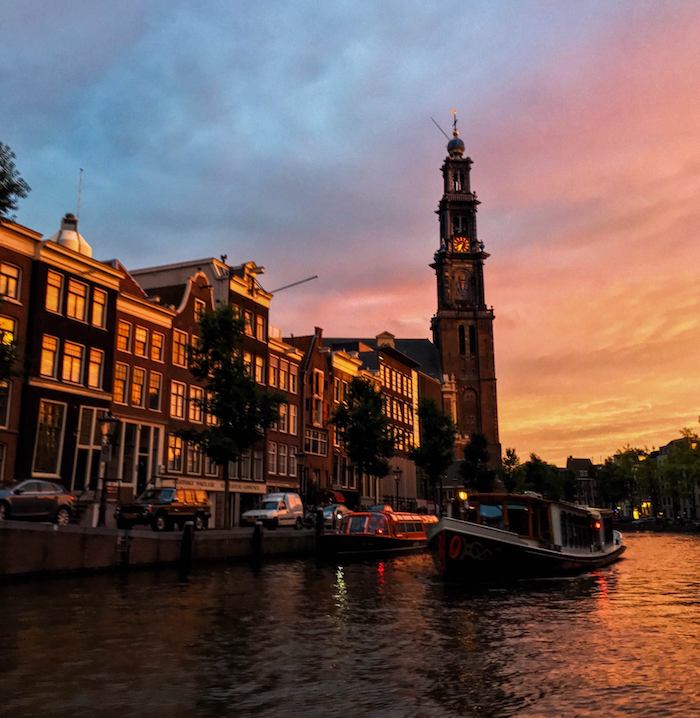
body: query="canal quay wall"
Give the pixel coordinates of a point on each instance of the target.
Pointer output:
(36, 549)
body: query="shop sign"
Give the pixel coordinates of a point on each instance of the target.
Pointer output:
(240, 487)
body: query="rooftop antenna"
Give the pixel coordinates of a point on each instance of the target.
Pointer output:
(440, 128)
(294, 284)
(80, 192)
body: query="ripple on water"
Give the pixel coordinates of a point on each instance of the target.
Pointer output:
(365, 639)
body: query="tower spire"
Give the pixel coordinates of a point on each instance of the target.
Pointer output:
(455, 147)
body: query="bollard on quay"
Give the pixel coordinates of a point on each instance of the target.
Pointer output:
(186, 547)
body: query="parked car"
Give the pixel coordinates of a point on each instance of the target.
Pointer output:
(37, 501)
(334, 511)
(276, 510)
(165, 509)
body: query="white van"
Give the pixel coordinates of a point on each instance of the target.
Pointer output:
(276, 510)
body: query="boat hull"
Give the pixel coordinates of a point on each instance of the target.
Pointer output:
(470, 552)
(362, 545)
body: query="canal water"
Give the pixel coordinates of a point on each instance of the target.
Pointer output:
(373, 639)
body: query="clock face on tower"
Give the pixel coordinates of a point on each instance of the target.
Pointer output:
(460, 244)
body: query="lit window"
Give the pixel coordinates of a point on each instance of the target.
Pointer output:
(174, 453)
(138, 386)
(7, 330)
(9, 280)
(211, 468)
(177, 400)
(282, 460)
(272, 457)
(157, 340)
(293, 419)
(99, 308)
(141, 342)
(95, 368)
(283, 413)
(199, 309)
(317, 398)
(4, 406)
(316, 442)
(284, 374)
(248, 362)
(248, 317)
(196, 398)
(121, 378)
(210, 418)
(260, 327)
(194, 459)
(124, 336)
(154, 390)
(259, 370)
(76, 300)
(49, 437)
(54, 291)
(273, 371)
(179, 348)
(72, 362)
(293, 379)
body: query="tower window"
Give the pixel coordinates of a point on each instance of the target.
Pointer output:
(462, 341)
(472, 339)
(458, 181)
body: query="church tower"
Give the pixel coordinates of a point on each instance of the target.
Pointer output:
(463, 324)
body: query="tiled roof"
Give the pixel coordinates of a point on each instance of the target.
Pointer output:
(422, 351)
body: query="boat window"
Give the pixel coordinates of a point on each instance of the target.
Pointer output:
(576, 530)
(491, 515)
(357, 524)
(519, 519)
(377, 524)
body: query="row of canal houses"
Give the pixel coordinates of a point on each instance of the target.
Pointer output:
(95, 337)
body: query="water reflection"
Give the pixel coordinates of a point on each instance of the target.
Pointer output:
(366, 639)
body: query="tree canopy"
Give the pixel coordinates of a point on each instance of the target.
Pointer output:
(475, 468)
(437, 436)
(546, 479)
(12, 186)
(364, 429)
(240, 410)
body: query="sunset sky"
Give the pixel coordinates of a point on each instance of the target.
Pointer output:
(298, 135)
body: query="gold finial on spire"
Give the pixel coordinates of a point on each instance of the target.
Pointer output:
(455, 131)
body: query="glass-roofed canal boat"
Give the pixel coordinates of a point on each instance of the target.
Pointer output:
(506, 536)
(378, 532)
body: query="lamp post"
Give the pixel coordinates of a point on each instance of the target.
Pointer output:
(108, 424)
(397, 478)
(301, 458)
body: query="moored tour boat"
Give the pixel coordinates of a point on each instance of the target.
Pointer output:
(380, 532)
(504, 536)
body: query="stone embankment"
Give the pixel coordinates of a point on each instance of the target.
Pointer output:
(37, 548)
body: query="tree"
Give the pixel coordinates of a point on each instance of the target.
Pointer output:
(364, 429)
(618, 478)
(543, 478)
(475, 469)
(8, 355)
(241, 411)
(437, 437)
(12, 186)
(510, 468)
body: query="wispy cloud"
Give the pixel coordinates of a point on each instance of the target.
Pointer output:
(298, 135)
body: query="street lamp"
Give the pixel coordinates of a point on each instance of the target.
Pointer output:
(397, 478)
(108, 424)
